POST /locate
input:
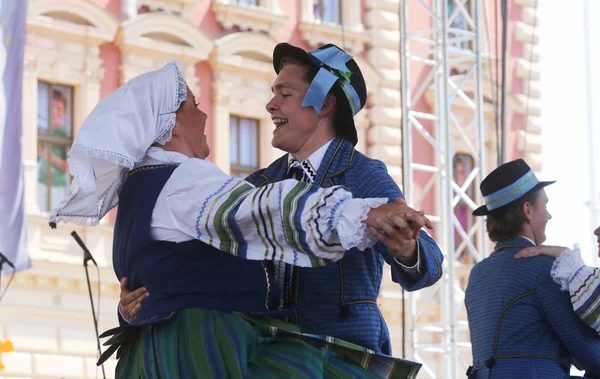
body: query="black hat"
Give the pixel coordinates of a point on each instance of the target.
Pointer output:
(509, 182)
(349, 87)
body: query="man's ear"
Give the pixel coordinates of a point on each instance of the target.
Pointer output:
(527, 210)
(328, 104)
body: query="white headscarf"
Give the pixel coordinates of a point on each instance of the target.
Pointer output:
(114, 137)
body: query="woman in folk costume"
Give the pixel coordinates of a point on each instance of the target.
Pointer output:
(522, 325)
(582, 282)
(143, 146)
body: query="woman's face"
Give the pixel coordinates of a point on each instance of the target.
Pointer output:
(191, 122)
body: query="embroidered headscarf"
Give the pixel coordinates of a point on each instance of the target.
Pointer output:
(114, 137)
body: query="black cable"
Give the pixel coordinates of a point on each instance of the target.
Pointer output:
(98, 310)
(400, 50)
(95, 313)
(529, 76)
(497, 73)
(87, 257)
(98, 315)
(403, 324)
(342, 25)
(7, 284)
(504, 89)
(493, 82)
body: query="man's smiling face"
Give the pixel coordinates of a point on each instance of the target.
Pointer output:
(294, 124)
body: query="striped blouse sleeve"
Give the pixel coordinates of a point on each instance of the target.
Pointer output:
(582, 282)
(290, 221)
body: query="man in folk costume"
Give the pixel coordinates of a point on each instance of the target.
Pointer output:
(315, 98)
(522, 325)
(143, 147)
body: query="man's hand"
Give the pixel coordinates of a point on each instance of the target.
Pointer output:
(131, 302)
(416, 218)
(401, 226)
(552, 251)
(399, 238)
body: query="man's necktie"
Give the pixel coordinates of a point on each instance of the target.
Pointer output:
(295, 171)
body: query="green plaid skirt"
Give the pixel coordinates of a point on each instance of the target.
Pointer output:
(201, 343)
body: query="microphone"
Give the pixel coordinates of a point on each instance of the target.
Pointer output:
(3, 260)
(87, 256)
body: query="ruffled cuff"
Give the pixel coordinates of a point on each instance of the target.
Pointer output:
(348, 221)
(566, 267)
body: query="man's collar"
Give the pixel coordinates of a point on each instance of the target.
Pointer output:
(517, 242)
(529, 239)
(311, 164)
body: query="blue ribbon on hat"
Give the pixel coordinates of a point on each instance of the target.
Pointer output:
(333, 68)
(511, 192)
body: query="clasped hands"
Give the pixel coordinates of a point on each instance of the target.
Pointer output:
(397, 226)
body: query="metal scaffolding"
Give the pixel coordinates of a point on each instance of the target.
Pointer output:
(443, 110)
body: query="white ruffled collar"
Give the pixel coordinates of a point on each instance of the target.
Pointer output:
(156, 155)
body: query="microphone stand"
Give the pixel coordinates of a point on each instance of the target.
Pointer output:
(87, 256)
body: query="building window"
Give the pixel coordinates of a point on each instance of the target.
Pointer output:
(328, 11)
(462, 165)
(458, 16)
(243, 146)
(246, 2)
(55, 135)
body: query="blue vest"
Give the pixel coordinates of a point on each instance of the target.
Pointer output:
(181, 275)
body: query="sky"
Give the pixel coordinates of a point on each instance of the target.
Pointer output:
(565, 152)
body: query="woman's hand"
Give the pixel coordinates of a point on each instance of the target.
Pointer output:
(389, 212)
(131, 302)
(552, 251)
